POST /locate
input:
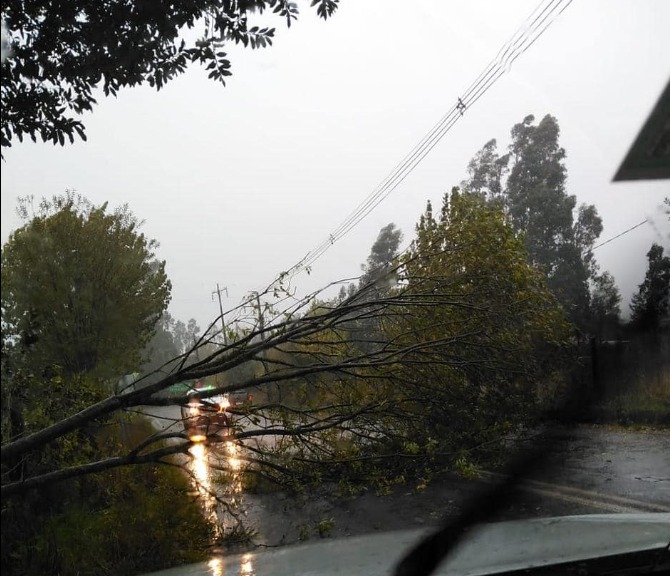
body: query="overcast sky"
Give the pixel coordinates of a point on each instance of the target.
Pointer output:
(239, 183)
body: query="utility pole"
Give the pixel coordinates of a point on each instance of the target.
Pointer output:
(261, 322)
(261, 327)
(223, 324)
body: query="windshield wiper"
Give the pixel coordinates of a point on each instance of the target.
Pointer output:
(425, 557)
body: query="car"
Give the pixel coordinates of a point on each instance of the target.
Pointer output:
(205, 418)
(239, 398)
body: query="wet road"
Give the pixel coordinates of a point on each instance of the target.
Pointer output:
(590, 469)
(606, 461)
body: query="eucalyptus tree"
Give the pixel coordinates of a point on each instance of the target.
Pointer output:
(383, 252)
(530, 181)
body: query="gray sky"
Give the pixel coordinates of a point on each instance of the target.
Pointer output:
(239, 183)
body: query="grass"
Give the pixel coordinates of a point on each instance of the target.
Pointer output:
(638, 396)
(325, 527)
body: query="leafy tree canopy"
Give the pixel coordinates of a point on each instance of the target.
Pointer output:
(62, 51)
(493, 323)
(82, 287)
(530, 183)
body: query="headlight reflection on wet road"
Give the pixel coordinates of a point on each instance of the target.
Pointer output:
(217, 566)
(217, 472)
(200, 467)
(233, 450)
(246, 565)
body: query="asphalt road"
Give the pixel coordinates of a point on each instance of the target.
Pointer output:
(600, 463)
(590, 469)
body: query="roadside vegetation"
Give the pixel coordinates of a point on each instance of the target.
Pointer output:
(633, 380)
(121, 521)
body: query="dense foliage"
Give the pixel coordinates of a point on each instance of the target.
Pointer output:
(476, 340)
(81, 288)
(496, 330)
(134, 520)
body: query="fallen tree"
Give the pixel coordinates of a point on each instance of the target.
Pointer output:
(450, 360)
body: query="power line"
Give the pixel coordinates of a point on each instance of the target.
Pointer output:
(620, 235)
(495, 69)
(525, 36)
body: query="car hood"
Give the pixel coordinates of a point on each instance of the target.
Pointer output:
(488, 549)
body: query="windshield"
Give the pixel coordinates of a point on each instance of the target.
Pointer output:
(279, 274)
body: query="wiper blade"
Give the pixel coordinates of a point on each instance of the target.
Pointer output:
(425, 557)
